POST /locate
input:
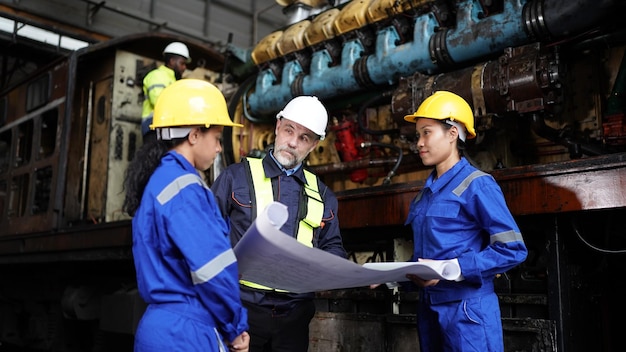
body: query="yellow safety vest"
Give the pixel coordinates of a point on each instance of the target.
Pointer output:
(153, 84)
(263, 194)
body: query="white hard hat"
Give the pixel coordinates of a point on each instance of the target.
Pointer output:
(309, 112)
(177, 48)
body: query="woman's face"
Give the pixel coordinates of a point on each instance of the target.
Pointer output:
(293, 143)
(436, 144)
(208, 145)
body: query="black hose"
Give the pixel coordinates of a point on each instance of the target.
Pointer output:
(564, 138)
(393, 170)
(361, 115)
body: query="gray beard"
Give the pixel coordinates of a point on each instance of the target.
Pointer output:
(287, 163)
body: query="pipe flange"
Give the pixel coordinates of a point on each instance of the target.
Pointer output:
(438, 49)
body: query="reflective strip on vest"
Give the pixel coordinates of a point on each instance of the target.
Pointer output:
(264, 195)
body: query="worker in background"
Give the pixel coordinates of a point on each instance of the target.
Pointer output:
(186, 268)
(459, 214)
(175, 58)
(279, 321)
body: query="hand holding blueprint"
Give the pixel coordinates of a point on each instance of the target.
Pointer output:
(272, 258)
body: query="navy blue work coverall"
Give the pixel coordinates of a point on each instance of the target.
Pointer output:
(233, 194)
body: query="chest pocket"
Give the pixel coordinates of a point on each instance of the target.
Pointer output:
(443, 210)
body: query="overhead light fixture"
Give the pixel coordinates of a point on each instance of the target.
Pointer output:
(41, 35)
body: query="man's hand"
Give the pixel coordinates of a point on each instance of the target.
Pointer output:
(419, 281)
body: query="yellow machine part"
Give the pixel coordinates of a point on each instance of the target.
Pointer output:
(352, 16)
(293, 38)
(321, 28)
(383, 9)
(266, 49)
(251, 136)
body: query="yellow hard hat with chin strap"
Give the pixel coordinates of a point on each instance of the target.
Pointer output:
(187, 103)
(449, 108)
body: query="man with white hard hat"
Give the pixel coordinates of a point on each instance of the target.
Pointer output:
(279, 320)
(175, 60)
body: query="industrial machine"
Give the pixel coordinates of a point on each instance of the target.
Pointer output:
(546, 80)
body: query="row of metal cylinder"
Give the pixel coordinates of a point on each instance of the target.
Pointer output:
(330, 24)
(371, 44)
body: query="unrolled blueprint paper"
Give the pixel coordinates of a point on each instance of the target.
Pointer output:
(272, 258)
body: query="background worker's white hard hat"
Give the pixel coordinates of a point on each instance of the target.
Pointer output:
(309, 112)
(177, 48)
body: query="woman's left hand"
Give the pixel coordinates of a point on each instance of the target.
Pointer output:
(421, 282)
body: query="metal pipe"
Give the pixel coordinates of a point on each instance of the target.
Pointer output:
(351, 165)
(255, 20)
(83, 189)
(207, 16)
(158, 25)
(430, 51)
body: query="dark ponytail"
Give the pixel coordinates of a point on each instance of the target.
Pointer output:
(139, 171)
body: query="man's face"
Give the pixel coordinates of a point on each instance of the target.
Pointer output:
(179, 65)
(293, 143)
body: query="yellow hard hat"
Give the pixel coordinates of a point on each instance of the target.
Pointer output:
(191, 102)
(446, 106)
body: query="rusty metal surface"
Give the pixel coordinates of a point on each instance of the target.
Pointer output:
(102, 241)
(376, 206)
(583, 184)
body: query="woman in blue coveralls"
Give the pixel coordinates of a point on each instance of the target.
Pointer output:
(186, 269)
(460, 214)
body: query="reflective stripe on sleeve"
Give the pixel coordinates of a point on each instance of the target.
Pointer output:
(171, 190)
(505, 237)
(214, 267)
(160, 85)
(467, 181)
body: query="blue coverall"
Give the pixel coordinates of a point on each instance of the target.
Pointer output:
(186, 269)
(463, 215)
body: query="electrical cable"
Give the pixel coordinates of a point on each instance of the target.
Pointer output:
(393, 170)
(595, 248)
